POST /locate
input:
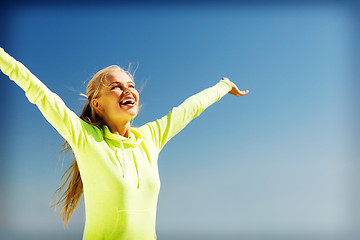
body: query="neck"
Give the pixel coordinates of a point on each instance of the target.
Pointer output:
(120, 128)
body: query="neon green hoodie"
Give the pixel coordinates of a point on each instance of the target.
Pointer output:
(120, 175)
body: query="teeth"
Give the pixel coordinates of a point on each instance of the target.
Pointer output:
(128, 101)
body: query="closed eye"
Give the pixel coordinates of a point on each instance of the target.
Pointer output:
(118, 86)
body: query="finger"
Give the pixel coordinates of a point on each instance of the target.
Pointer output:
(243, 93)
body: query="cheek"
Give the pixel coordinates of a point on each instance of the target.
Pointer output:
(110, 101)
(136, 94)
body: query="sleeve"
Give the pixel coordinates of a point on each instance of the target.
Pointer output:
(66, 122)
(162, 130)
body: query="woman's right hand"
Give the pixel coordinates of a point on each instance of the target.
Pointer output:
(235, 90)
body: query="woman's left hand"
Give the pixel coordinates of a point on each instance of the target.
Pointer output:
(235, 91)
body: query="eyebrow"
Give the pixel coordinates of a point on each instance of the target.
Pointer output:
(132, 82)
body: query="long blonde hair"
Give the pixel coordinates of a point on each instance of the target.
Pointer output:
(72, 178)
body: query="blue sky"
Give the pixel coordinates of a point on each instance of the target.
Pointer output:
(277, 161)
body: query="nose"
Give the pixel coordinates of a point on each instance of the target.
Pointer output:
(126, 91)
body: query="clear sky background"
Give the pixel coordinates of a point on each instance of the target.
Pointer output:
(277, 162)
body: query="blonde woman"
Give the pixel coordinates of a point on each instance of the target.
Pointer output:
(115, 165)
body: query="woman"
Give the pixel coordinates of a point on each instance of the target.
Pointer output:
(115, 164)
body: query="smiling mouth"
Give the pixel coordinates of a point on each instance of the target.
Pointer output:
(128, 102)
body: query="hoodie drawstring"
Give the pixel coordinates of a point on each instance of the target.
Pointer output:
(123, 162)
(134, 141)
(137, 170)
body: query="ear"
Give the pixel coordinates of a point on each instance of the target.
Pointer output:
(96, 105)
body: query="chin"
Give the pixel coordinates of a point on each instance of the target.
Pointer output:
(133, 113)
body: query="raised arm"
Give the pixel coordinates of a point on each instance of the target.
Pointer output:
(162, 130)
(67, 123)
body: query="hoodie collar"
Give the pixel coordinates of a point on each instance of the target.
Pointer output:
(134, 139)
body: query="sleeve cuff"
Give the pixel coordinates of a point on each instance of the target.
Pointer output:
(225, 84)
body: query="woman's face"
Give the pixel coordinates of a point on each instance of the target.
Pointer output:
(118, 99)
